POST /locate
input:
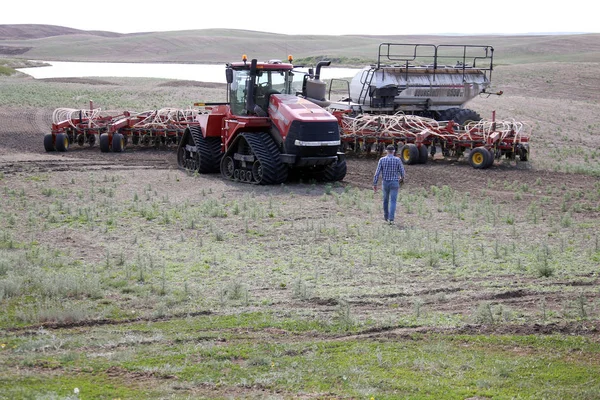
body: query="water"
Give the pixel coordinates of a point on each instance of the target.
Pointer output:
(193, 72)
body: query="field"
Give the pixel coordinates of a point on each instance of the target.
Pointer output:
(123, 277)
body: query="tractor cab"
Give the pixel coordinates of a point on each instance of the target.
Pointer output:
(250, 85)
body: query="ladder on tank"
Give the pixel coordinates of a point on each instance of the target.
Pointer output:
(366, 79)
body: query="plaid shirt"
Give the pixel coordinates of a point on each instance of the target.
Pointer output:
(391, 168)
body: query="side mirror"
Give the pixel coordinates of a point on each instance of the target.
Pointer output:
(229, 75)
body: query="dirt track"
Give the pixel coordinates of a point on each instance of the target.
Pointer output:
(21, 150)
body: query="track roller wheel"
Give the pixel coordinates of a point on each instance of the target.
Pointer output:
(104, 143)
(257, 171)
(250, 177)
(227, 167)
(49, 142)
(62, 142)
(409, 154)
(479, 158)
(423, 154)
(118, 142)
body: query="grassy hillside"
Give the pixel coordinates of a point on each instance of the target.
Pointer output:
(222, 45)
(34, 31)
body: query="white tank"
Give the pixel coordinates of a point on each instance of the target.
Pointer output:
(407, 85)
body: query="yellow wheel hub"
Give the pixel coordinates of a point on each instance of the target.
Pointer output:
(478, 158)
(406, 154)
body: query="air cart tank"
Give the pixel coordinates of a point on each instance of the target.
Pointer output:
(423, 79)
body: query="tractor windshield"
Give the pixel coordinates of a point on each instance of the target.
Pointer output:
(267, 82)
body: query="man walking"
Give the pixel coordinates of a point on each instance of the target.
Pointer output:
(391, 170)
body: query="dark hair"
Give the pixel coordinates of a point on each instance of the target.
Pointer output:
(390, 148)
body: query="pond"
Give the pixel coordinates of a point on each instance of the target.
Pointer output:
(194, 72)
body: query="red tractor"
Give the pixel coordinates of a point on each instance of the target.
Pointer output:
(270, 127)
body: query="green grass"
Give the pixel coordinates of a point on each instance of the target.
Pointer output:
(207, 247)
(6, 71)
(215, 291)
(120, 94)
(206, 355)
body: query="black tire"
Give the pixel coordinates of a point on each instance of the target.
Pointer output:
(523, 154)
(81, 139)
(91, 140)
(118, 142)
(62, 142)
(338, 171)
(491, 160)
(448, 115)
(333, 172)
(409, 154)
(464, 116)
(181, 157)
(423, 154)
(461, 116)
(104, 143)
(479, 158)
(49, 142)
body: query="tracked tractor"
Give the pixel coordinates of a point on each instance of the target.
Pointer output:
(267, 130)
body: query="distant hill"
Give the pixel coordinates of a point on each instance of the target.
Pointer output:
(33, 31)
(46, 42)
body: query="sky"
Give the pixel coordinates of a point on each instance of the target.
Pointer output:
(383, 17)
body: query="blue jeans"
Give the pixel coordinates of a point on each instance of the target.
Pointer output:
(390, 194)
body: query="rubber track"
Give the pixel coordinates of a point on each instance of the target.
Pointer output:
(209, 149)
(265, 149)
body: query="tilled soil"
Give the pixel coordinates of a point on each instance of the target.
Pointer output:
(21, 149)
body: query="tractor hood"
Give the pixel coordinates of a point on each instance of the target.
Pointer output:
(285, 109)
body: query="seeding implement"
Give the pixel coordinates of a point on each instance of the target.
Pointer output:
(116, 129)
(276, 120)
(418, 137)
